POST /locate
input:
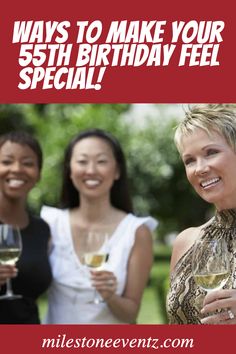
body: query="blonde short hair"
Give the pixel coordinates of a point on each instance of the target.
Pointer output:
(219, 118)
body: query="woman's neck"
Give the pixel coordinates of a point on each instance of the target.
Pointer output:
(13, 212)
(96, 212)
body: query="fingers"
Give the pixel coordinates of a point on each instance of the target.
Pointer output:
(219, 294)
(218, 300)
(220, 307)
(225, 317)
(103, 280)
(6, 272)
(105, 283)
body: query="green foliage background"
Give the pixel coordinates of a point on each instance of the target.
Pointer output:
(156, 174)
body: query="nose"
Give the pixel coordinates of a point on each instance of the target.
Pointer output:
(16, 167)
(201, 167)
(91, 167)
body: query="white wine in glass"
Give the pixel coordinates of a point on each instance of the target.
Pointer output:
(95, 254)
(10, 251)
(210, 264)
(95, 260)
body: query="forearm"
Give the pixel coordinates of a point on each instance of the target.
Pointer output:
(126, 307)
(123, 308)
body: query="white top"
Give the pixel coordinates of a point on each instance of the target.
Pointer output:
(71, 288)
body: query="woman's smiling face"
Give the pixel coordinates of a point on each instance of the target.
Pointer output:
(93, 167)
(210, 165)
(19, 170)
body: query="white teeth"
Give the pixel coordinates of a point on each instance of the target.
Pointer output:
(15, 182)
(92, 182)
(209, 182)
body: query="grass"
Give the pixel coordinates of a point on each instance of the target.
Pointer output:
(42, 304)
(150, 311)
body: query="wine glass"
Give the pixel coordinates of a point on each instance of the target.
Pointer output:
(10, 250)
(95, 253)
(210, 264)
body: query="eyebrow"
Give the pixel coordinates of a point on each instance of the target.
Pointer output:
(13, 156)
(81, 154)
(212, 145)
(187, 155)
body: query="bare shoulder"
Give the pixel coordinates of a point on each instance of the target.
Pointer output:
(143, 239)
(182, 244)
(187, 237)
(142, 250)
(143, 232)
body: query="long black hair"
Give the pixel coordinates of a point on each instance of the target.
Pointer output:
(119, 196)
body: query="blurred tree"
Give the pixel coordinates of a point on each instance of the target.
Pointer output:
(159, 184)
(12, 117)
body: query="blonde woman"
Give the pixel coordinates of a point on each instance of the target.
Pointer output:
(206, 141)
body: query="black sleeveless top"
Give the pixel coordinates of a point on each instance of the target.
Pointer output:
(34, 276)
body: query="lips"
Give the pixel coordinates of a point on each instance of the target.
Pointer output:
(210, 182)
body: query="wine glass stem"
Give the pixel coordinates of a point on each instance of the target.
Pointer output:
(9, 291)
(96, 298)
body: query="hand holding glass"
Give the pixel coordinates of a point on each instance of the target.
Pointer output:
(210, 263)
(95, 254)
(10, 250)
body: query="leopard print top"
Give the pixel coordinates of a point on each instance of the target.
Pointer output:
(184, 299)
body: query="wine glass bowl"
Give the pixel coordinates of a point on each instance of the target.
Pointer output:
(210, 264)
(10, 251)
(95, 253)
(95, 260)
